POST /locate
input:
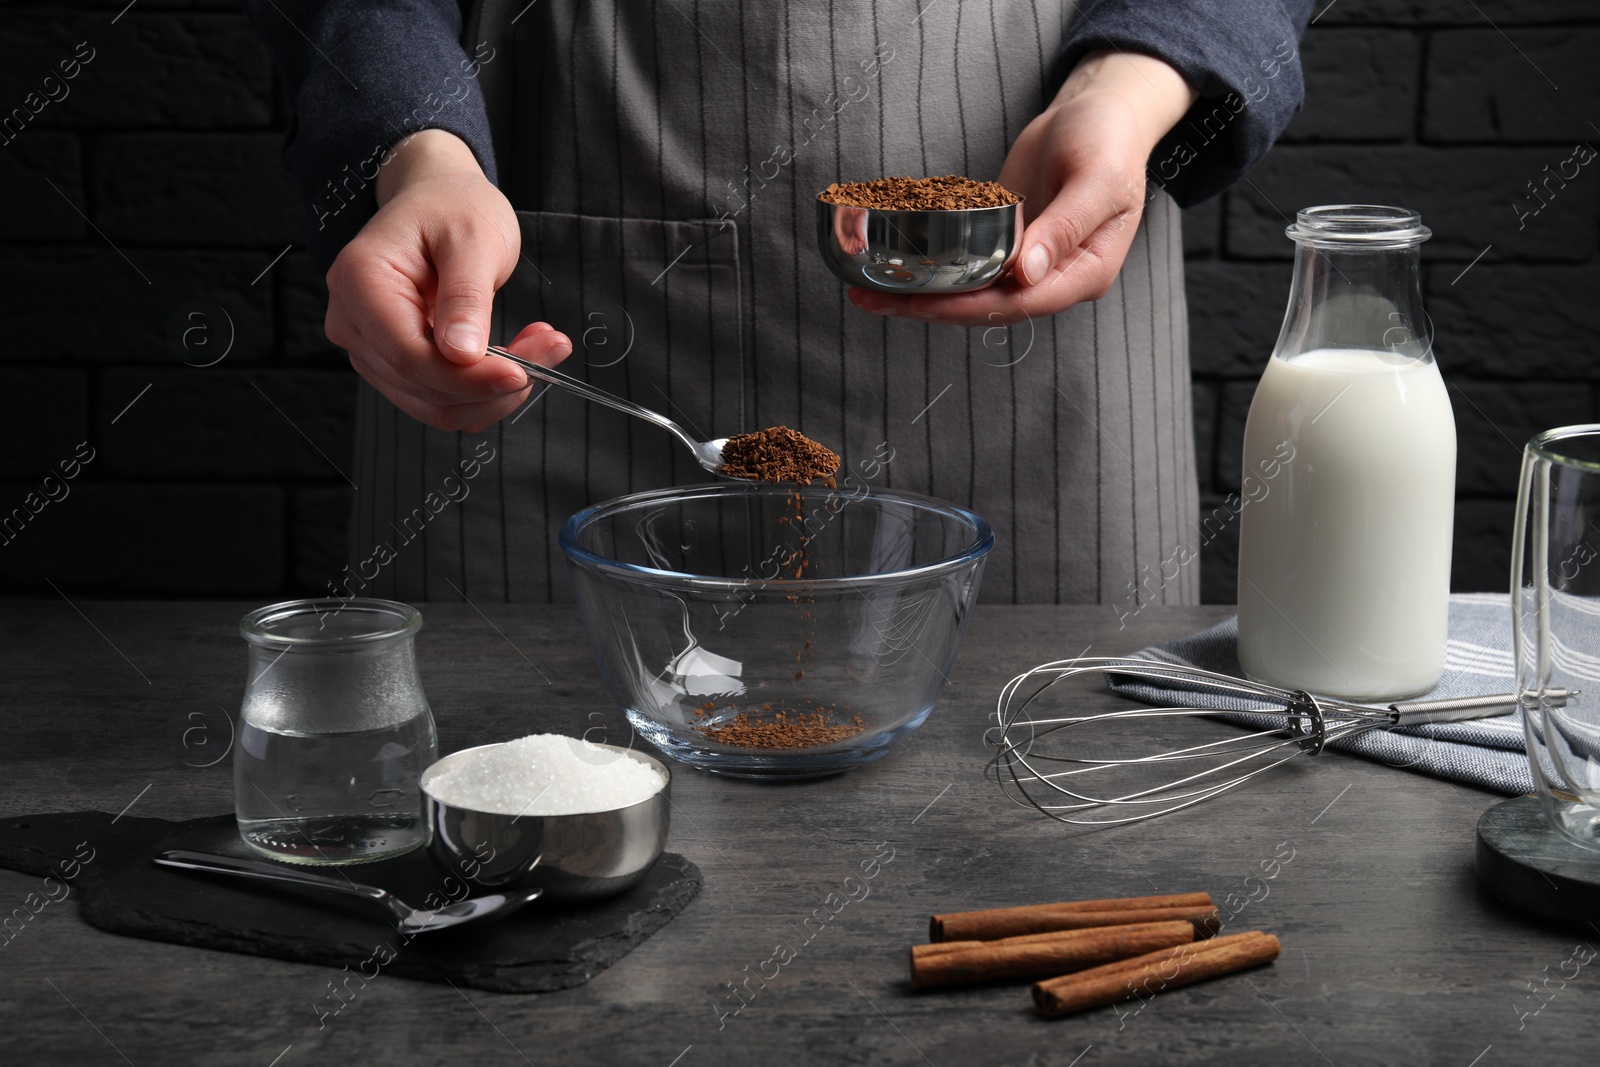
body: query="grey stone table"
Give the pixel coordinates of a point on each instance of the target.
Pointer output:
(1391, 953)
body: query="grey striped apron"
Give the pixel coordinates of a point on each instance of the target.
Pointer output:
(664, 158)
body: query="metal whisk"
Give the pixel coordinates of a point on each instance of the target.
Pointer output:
(1298, 724)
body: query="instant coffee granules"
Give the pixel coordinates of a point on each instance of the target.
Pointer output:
(950, 193)
(777, 454)
(782, 729)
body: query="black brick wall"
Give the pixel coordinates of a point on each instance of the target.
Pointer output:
(153, 188)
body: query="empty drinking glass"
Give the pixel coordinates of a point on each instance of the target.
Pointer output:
(1555, 609)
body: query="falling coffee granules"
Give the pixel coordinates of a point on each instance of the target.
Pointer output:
(783, 730)
(777, 454)
(950, 193)
(780, 454)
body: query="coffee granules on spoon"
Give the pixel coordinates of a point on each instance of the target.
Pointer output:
(777, 454)
(950, 193)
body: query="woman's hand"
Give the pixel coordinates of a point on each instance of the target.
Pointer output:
(1081, 166)
(409, 297)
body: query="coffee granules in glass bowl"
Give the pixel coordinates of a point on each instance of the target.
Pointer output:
(781, 729)
(950, 193)
(777, 454)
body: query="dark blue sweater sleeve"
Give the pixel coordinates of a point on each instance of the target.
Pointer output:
(364, 74)
(1241, 56)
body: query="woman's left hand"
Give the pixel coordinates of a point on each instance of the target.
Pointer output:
(1081, 167)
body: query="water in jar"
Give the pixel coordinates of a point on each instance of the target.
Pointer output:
(332, 741)
(350, 796)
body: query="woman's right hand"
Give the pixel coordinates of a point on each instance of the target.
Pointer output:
(409, 297)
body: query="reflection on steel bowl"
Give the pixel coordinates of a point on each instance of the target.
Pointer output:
(919, 251)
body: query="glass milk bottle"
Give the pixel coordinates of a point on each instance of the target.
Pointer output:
(1349, 467)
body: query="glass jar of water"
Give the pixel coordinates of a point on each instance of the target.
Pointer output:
(334, 733)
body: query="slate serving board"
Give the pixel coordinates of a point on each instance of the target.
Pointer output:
(541, 948)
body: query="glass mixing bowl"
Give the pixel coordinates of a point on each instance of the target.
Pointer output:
(775, 630)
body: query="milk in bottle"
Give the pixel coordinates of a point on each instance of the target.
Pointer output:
(1344, 559)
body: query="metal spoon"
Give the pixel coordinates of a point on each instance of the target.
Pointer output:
(410, 920)
(707, 453)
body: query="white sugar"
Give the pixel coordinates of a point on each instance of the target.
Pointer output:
(547, 774)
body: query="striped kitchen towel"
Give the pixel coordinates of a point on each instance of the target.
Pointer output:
(1483, 752)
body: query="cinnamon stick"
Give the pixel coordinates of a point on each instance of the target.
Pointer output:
(939, 948)
(1153, 972)
(1036, 918)
(1038, 955)
(1205, 918)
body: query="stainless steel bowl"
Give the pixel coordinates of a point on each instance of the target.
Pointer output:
(919, 251)
(571, 857)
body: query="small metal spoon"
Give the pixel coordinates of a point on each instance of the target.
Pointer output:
(408, 919)
(707, 453)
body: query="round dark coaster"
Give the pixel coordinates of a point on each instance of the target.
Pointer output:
(1530, 865)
